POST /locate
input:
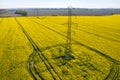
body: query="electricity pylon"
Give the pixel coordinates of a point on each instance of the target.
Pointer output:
(68, 50)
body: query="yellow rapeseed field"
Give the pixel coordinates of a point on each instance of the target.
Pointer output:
(34, 48)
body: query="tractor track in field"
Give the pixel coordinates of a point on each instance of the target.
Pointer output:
(108, 38)
(101, 31)
(63, 45)
(99, 35)
(114, 73)
(82, 44)
(114, 61)
(104, 37)
(37, 50)
(102, 26)
(114, 70)
(94, 33)
(110, 34)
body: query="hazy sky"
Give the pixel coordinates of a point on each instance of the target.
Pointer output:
(59, 3)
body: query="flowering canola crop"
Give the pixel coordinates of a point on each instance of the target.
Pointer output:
(34, 48)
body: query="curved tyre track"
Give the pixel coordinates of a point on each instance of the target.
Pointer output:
(82, 44)
(114, 72)
(30, 63)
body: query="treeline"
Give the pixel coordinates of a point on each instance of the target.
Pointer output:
(3, 11)
(22, 12)
(75, 11)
